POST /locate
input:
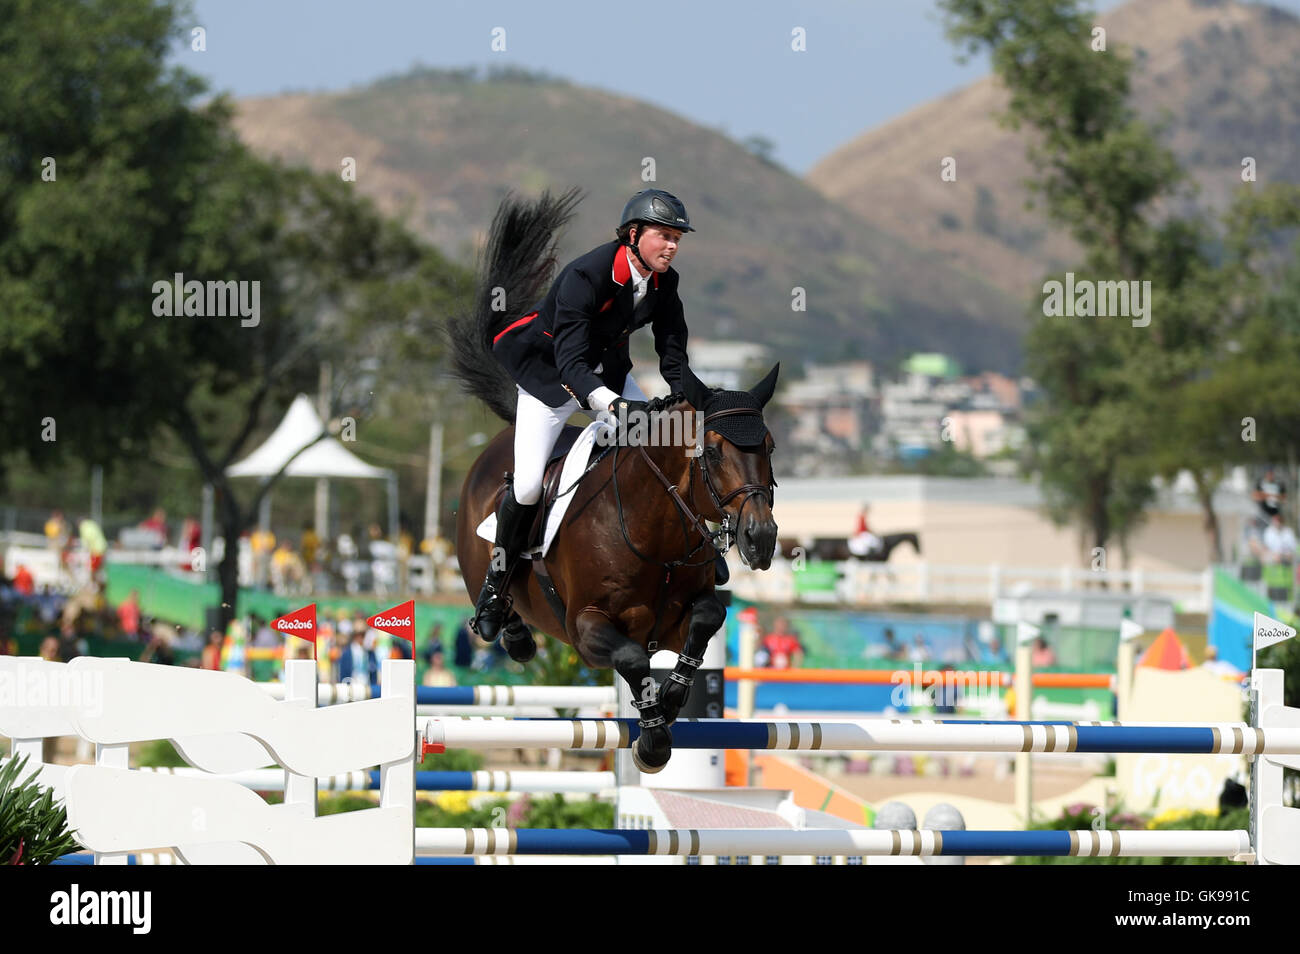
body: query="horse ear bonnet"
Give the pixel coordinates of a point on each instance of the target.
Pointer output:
(743, 430)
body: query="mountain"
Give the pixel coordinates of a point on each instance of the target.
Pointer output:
(441, 148)
(1225, 75)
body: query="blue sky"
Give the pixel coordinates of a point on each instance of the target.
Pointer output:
(720, 64)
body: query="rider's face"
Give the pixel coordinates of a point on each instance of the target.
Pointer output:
(658, 245)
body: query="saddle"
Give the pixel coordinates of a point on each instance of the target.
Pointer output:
(551, 477)
(550, 485)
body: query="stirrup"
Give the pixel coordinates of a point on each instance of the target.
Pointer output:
(499, 602)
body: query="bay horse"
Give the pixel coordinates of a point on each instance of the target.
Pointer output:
(632, 566)
(836, 549)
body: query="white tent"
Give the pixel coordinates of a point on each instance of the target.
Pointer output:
(326, 458)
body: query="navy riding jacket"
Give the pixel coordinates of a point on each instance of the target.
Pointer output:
(583, 324)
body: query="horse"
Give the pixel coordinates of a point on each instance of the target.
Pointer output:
(837, 549)
(632, 567)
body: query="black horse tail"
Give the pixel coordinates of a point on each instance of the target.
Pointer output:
(515, 270)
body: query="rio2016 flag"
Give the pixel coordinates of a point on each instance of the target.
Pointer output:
(398, 621)
(1269, 631)
(300, 623)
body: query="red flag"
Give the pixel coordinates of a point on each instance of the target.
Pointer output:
(300, 623)
(398, 621)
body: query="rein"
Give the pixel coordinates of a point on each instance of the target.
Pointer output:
(686, 513)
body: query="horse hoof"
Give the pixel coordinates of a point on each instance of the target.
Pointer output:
(522, 649)
(646, 767)
(651, 760)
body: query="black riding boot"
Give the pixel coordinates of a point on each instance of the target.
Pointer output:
(493, 605)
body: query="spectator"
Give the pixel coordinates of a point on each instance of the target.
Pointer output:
(50, 649)
(438, 674)
(434, 645)
(264, 637)
(190, 539)
(919, 652)
(287, 572)
(56, 531)
(946, 693)
(1279, 541)
(405, 543)
(782, 646)
(863, 542)
(1042, 656)
(310, 544)
(356, 662)
(157, 525)
(210, 658)
(128, 615)
(96, 544)
(893, 649)
(1270, 494)
(262, 543)
(23, 581)
(463, 657)
(70, 645)
(995, 652)
(159, 649)
(438, 550)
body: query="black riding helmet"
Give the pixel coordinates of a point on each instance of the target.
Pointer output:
(657, 207)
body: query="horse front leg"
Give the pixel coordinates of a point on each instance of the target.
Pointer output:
(602, 644)
(707, 614)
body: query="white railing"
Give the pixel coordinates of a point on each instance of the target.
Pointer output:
(865, 583)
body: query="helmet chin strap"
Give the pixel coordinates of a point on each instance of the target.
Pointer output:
(636, 247)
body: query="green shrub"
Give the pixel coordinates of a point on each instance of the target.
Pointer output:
(33, 828)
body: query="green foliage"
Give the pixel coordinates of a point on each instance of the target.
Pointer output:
(33, 828)
(558, 664)
(1122, 404)
(553, 811)
(1081, 816)
(453, 760)
(159, 754)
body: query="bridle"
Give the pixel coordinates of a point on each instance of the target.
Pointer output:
(749, 490)
(726, 531)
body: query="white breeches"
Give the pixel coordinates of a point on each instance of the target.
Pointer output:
(537, 428)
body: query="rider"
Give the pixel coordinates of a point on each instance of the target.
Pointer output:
(571, 353)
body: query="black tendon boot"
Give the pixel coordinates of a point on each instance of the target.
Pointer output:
(493, 604)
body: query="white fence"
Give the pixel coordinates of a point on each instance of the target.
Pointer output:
(861, 582)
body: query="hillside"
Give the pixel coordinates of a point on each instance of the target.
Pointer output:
(1227, 73)
(442, 147)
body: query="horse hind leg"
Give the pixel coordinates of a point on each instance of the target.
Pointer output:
(707, 615)
(601, 644)
(517, 639)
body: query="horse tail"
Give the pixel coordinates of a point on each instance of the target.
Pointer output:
(515, 269)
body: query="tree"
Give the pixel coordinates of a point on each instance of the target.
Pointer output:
(1116, 408)
(147, 187)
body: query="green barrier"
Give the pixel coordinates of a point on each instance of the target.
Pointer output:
(816, 577)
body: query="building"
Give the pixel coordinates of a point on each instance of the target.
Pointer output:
(733, 365)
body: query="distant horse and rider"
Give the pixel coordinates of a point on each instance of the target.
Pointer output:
(633, 565)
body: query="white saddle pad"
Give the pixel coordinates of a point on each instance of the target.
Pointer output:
(575, 462)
